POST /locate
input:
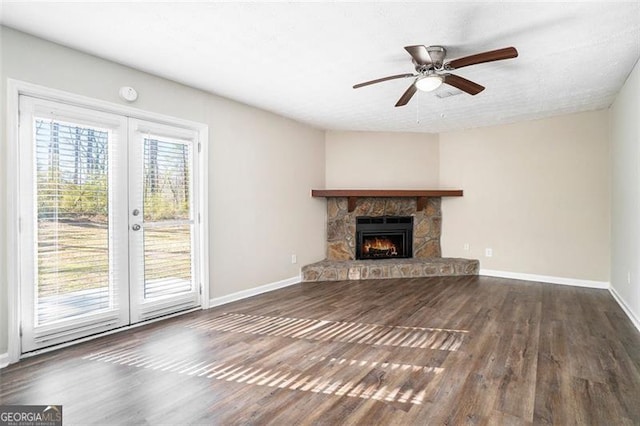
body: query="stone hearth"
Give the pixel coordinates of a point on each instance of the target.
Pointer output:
(332, 270)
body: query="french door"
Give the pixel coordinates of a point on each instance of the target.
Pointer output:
(108, 216)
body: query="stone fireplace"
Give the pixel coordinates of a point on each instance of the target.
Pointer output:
(342, 237)
(399, 230)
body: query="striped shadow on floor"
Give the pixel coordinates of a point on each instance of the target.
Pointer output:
(336, 331)
(355, 378)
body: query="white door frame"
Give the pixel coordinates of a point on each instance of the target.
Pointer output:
(15, 88)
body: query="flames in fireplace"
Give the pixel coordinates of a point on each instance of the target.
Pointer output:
(379, 247)
(384, 237)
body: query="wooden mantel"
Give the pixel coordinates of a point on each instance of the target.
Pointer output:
(352, 194)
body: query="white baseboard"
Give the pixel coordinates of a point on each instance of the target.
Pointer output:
(634, 319)
(545, 279)
(4, 360)
(254, 291)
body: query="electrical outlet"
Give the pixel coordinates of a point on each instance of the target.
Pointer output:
(294, 258)
(488, 252)
(466, 246)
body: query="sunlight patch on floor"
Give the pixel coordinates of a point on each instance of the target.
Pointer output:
(336, 331)
(352, 384)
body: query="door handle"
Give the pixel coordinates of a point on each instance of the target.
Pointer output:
(136, 227)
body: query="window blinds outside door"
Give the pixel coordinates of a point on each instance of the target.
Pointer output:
(88, 264)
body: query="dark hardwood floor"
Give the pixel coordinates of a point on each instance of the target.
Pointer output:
(455, 350)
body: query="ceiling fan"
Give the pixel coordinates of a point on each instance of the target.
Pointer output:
(432, 70)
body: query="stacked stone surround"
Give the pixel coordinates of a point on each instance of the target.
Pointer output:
(341, 225)
(340, 263)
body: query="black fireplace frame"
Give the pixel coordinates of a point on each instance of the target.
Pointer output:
(368, 226)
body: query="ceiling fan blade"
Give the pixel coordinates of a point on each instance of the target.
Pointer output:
(419, 54)
(479, 58)
(407, 95)
(380, 80)
(463, 84)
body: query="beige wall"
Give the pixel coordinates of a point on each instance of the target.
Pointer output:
(260, 196)
(381, 160)
(625, 193)
(536, 192)
(261, 166)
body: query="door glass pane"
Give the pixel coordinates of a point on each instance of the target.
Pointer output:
(72, 220)
(167, 255)
(167, 218)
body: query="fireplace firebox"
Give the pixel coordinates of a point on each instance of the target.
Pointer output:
(384, 237)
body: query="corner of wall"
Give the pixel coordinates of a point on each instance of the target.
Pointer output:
(624, 135)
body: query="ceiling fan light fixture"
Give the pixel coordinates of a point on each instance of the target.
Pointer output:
(429, 83)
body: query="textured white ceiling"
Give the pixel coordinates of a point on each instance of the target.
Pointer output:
(300, 60)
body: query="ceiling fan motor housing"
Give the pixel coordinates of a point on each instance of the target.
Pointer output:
(434, 62)
(437, 54)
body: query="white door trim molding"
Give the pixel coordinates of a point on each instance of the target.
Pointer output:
(4, 360)
(13, 221)
(16, 88)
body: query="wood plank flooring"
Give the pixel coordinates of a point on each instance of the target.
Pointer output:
(446, 350)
